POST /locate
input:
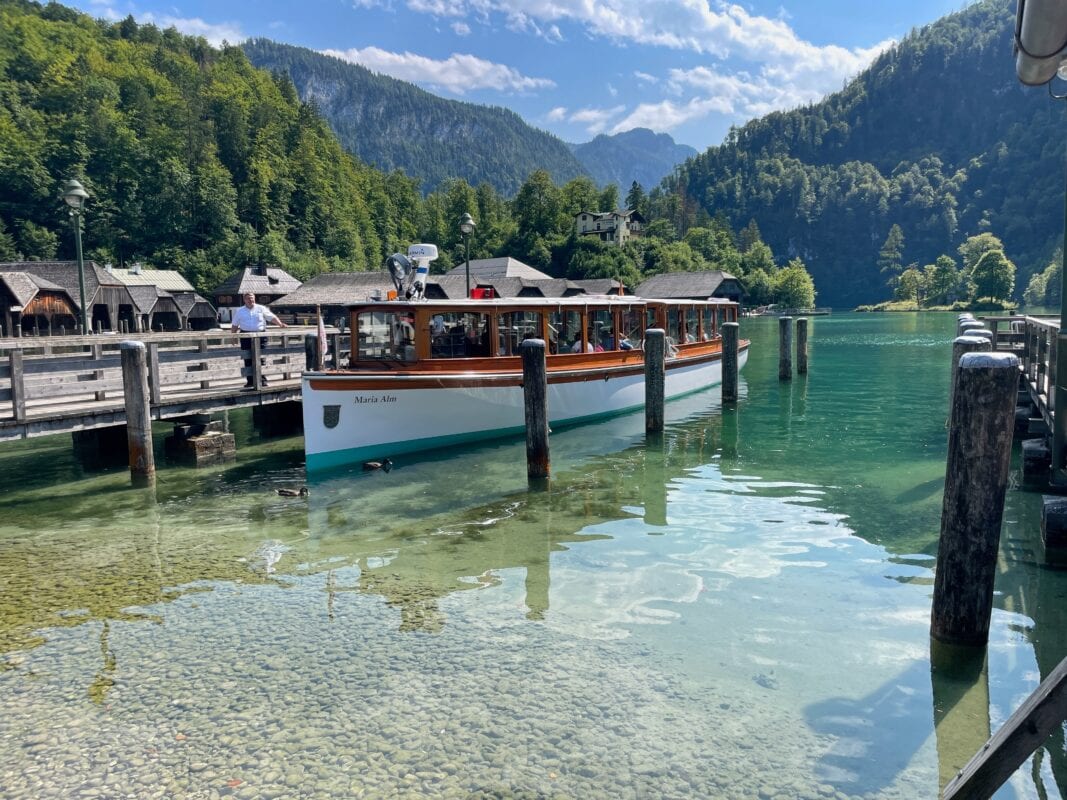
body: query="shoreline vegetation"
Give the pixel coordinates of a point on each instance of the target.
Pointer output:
(985, 304)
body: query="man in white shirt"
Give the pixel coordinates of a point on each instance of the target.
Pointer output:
(253, 318)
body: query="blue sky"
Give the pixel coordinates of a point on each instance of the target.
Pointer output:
(691, 68)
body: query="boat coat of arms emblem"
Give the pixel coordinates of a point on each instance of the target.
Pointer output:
(331, 415)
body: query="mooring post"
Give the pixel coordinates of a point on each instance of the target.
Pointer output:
(730, 335)
(962, 345)
(311, 351)
(976, 477)
(535, 396)
(138, 413)
(785, 348)
(802, 346)
(655, 341)
(964, 317)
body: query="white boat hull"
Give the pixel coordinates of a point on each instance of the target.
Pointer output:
(345, 423)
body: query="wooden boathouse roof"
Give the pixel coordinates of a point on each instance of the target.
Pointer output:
(64, 274)
(25, 286)
(335, 289)
(691, 286)
(483, 269)
(259, 280)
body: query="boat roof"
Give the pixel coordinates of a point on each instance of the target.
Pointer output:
(579, 301)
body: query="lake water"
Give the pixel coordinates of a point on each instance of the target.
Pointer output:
(736, 609)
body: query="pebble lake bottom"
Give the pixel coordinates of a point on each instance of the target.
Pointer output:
(737, 609)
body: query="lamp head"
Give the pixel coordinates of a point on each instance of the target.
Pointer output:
(466, 225)
(75, 195)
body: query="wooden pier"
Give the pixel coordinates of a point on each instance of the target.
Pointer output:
(74, 383)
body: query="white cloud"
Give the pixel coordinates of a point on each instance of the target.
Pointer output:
(668, 115)
(644, 77)
(612, 90)
(215, 33)
(458, 73)
(595, 120)
(711, 27)
(461, 29)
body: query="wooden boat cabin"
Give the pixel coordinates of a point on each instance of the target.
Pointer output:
(576, 330)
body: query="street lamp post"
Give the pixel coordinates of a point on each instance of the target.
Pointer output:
(75, 195)
(466, 227)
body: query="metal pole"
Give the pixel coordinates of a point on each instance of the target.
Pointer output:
(467, 260)
(81, 266)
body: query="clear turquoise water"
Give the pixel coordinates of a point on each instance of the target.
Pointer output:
(736, 609)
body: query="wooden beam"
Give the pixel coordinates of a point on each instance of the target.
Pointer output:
(1025, 731)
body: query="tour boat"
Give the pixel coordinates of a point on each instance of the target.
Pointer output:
(425, 374)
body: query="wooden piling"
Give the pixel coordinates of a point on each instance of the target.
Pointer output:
(138, 413)
(965, 317)
(802, 346)
(535, 397)
(976, 478)
(311, 351)
(655, 349)
(785, 348)
(962, 345)
(730, 336)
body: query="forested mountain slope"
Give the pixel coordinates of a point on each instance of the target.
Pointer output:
(936, 136)
(194, 159)
(393, 124)
(635, 155)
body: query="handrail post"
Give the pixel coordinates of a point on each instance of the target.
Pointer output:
(257, 368)
(153, 373)
(18, 385)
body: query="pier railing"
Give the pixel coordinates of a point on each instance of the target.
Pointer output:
(1034, 340)
(72, 375)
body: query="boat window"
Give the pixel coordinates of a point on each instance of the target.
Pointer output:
(385, 335)
(564, 328)
(601, 333)
(690, 326)
(673, 325)
(707, 320)
(632, 330)
(514, 327)
(456, 334)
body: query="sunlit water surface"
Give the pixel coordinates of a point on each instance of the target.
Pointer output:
(736, 609)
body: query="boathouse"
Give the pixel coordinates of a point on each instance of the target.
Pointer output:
(32, 305)
(107, 299)
(692, 286)
(173, 306)
(267, 283)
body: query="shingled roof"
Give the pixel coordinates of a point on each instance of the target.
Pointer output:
(259, 280)
(336, 289)
(64, 275)
(599, 285)
(187, 301)
(24, 286)
(483, 269)
(167, 279)
(691, 285)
